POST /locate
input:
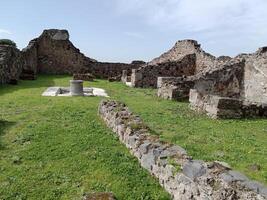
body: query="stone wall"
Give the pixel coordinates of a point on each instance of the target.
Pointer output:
(146, 76)
(54, 53)
(227, 80)
(174, 88)
(110, 70)
(57, 55)
(177, 172)
(225, 107)
(255, 79)
(11, 64)
(185, 47)
(30, 56)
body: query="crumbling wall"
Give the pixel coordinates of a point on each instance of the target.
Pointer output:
(53, 53)
(225, 107)
(255, 79)
(226, 80)
(146, 76)
(177, 172)
(110, 70)
(57, 55)
(174, 88)
(11, 64)
(30, 56)
(185, 47)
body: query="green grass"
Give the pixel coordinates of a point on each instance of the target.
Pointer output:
(241, 143)
(58, 148)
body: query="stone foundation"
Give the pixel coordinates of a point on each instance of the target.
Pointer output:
(225, 107)
(177, 172)
(174, 88)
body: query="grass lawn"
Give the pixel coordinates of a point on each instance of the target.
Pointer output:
(241, 143)
(58, 148)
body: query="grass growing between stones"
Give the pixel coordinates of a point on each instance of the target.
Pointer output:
(241, 143)
(58, 148)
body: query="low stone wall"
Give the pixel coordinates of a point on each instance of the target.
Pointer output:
(178, 173)
(11, 64)
(174, 88)
(84, 77)
(225, 107)
(146, 76)
(110, 70)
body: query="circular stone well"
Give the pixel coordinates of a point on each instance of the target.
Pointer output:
(76, 88)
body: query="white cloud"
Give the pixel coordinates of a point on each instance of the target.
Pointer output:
(196, 15)
(4, 32)
(213, 21)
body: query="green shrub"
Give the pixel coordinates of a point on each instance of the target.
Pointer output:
(7, 42)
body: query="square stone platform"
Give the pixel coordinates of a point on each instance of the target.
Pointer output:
(65, 92)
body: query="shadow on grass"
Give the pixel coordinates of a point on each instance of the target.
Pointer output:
(43, 81)
(4, 125)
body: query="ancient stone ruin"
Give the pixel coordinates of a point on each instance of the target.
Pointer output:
(222, 87)
(53, 53)
(177, 172)
(11, 64)
(186, 70)
(213, 84)
(186, 58)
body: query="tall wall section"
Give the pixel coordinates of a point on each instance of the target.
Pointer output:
(164, 65)
(54, 53)
(255, 79)
(185, 47)
(11, 64)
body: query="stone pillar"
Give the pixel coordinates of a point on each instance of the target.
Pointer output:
(136, 78)
(76, 88)
(124, 76)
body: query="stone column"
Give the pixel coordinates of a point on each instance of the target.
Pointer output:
(136, 78)
(124, 76)
(76, 88)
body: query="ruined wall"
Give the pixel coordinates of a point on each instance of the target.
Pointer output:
(174, 88)
(11, 64)
(255, 79)
(30, 56)
(180, 175)
(53, 53)
(57, 55)
(146, 76)
(226, 80)
(185, 47)
(110, 70)
(224, 107)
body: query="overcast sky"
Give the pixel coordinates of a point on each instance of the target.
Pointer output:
(126, 30)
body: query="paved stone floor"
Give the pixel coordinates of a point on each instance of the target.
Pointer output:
(65, 91)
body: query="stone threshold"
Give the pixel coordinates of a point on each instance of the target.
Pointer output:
(180, 175)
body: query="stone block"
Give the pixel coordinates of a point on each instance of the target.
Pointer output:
(194, 169)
